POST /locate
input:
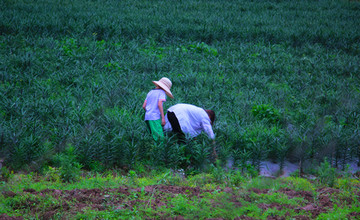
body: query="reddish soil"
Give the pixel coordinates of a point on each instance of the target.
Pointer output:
(74, 201)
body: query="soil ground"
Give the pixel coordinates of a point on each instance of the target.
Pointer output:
(78, 200)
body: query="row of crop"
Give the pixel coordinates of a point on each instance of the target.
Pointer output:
(295, 23)
(91, 121)
(118, 138)
(75, 74)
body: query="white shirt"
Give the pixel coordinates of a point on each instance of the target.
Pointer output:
(192, 119)
(152, 100)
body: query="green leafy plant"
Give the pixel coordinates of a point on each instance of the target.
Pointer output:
(237, 178)
(133, 177)
(69, 167)
(70, 47)
(5, 174)
(298, 184)
(53, 174)
(218, 172)
(79, 80)
(266, 111)
(327, 174)
(203, 48)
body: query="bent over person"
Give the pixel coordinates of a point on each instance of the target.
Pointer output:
(188, 121)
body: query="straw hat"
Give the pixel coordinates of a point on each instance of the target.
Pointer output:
(165, 84)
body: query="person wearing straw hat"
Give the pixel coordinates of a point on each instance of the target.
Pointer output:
(153, 106)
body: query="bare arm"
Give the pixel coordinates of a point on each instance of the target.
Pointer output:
(144, 105)
(160, 104)
(208, 130)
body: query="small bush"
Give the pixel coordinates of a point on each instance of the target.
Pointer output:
(5, 174)
(266, 112)
(69, 167)
(237, 178)
(327, 174)
(218, 172)
(53, 174)
(299, 184)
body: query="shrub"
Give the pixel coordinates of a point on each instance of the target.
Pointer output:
(266, 112)
(69, 167)
(327, 174)
(299, 184)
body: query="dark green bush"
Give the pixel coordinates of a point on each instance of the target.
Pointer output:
(327, 174)
(68, 164)
(266, 112)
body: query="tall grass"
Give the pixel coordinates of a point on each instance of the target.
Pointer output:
(282, 76)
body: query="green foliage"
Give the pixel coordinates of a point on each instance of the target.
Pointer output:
(327, 174)
(26, 202)
(218, 172)
(203, 48)
(53, 174)
(344, 184)
(133, 178)
(77, 73)
(260, 141)
(70, 48)
(237, 178)
(69, 167)
(5, 174)
(200, 179)
(337, 213)
(95, 214)
(198, 196)
(262, 183)
(173, 177)
(299, 184)
(96, 166)
(266, 112)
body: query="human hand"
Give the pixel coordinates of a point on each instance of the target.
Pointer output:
(163, 122)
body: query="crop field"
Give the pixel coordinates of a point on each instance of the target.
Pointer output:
(282, 76)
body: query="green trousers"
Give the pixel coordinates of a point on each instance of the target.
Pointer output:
(156, 129)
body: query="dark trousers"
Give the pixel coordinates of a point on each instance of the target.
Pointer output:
(176, 126)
